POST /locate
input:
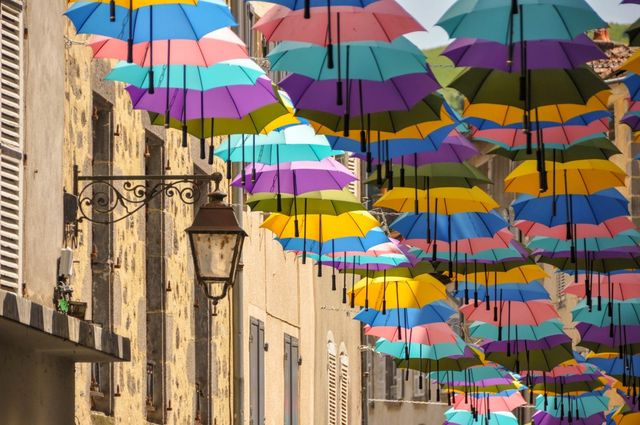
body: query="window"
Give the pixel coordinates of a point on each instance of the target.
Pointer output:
(561, 284)
(291, 373)
(332, 383)
(394, 386)
(155, 258)
(344, 389)
(11, 145)
(102, 239)
(256, 370)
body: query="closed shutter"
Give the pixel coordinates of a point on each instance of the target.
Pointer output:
(344, 390)
(295, 372)
(332, 372)
(353, 166)
(11, 144)
(561, 284)
(256, 372)
(291, 403)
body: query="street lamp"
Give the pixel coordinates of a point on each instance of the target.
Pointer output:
(216, 244)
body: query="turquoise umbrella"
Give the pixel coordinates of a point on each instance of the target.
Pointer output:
(411, 350)
(360, 261)
(479, 373)
(465, 417)
(623, 313)
(294, 143)
(630, 238)
(237, 72)
(586, 405)
(368, 60)
(486, 256)
(499, 20)
(525, 332)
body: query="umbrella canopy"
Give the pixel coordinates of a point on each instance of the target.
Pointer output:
(373, 237)
(331, 202)
(297, 177)
(508, 291)
(464, 417)
(440, 146)
(575, 177)
(599, 148)
(433, 313)
(390, 292)
(471, 357)
(628, 241)
(322, 227)
(361, 97)
(542, 359)
(633, 32)
(451, 200)
(384, 20)
(541, 54)
(541, 19)
(574, 86)
(420, 351)
(518, 345)
(368, 60)
(168, 21)
(520, 274)
(136, 4)
(218, 46)
(606, 287)
(543, 418)
(524, 332)
(435, 333)
(234, 72)
(472, 245)
(445, 174)
(607, 229)
(601, 334)
(624, 313)
(586, 405)
(491, 404)
(531, 313)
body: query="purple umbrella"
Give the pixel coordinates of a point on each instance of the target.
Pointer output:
(541, 54)
(366, 97)
(568, 379)
(543, 418)
(520, 346)
(222, 102)
(622, 336)
(632, 119)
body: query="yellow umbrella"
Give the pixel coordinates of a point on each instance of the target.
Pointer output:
(522, 274)
(627, 418)
(139, 3)
(508, 115)
(582, 177)
(381, 293)
(442, 200)
(633, 63)
(321, 227)
(418, 131)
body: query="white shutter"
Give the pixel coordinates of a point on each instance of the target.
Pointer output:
(332, 372)
(561, 284)
(344, 390)
(353, 166)
(11, 144)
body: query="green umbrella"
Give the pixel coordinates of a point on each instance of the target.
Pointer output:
(600, 265)
(600, 347)
(430, 176)
(428, 109)
(600, 148)
(447, 363)
(548, 86)
(543, 360)
(407, 272)
(633, 32)
(331, 202)
(568, 387)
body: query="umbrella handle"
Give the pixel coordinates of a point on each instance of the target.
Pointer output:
(307, 9)
(152, 84)
(333, 281)
(203, 148)
(211, 153)
(363, 141)
(130, 39)
(339, 97)
(112, 10)
(330, 63)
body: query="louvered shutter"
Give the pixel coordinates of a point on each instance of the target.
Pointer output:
(332, 385)
(561, 284)
(11, 144)
(344, 390)
(353, 166)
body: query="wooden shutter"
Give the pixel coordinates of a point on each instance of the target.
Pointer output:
(291, 402)
(295, 387)
(11, 144)
(332, 372)
(344, 390)
(256, 372)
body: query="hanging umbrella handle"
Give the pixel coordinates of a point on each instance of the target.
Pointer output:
(307, 9)
(112, 10)
(130, 39)
(339, 97)
(203, 148)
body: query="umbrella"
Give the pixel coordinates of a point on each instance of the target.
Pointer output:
(585, 405)
(308, 4)
(373, 237)
(393, 293)
(599, 148)
(543, 418)
(463, 417)
(399, 93)
(462, 225)
(444, 174)
(607, 229)
(218, 46)
(633, 32)
(292, 143)
(322, 228)
(452, 200)
(522, 345)
(433, 313)
(236, 72)
(472, 245)
(623, 335)
(148, 23)
(541, 54)
(524, 332)
(420, 351)
(623, 313)
(524, 273)
(331, 202)
(632, 64)
(524, 313)
(508, 291)
(606, 286)
(368, 60)
(573, 86)
(491, 404)
(435, 333)
(500, 20)
(576, 177)
(383, 20)
(440, 146)
(627, 241)
(471, 357)
(632, 81)
(543, 359)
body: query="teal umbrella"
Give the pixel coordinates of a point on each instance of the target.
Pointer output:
(525, 332)
(359, 261)
(368, 60)
(465, 417)
(585, 405)
(616, 313)
(479, 373)
(234, 72)
(500, 20)
(630, 238)
(412, 350)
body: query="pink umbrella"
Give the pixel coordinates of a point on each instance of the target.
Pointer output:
(600, 287)
(218, 46)
(431, 334)
(502, 239)
(512, 312)
(606, 229)
(383, 20)
(511, 138)
(492, 403)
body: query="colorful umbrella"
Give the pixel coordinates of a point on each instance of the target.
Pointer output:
(444, 200)
(433, 313)
(331, 202)
(524, 332)
(393, 293)
(435, 333)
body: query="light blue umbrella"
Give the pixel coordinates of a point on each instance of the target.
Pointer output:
(586, 405)
(508, 291)
(368, 60)
(478, 373)
(420, 351)
(464, 417)
(360, 261)
(294, 143)
(235, 72)
(435, 312)
(624, 313)
(629, 238)
(375, 236)
(548, 328)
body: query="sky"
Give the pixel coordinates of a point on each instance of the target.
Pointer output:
(428, 12)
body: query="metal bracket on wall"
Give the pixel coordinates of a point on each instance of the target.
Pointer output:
(114, 198)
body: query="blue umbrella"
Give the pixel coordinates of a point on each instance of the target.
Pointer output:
(464, 417)
(509, 291)
(375, 236)
(629, 366)
(586, 119)
(308, 4)
(525, 332)
(435, 312)
(412, 350)
(449, 228)
(159, 22)
(579, 209)
(632, 81)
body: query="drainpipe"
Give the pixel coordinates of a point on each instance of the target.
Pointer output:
(238, 323)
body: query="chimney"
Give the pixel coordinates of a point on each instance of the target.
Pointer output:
(602, 35)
